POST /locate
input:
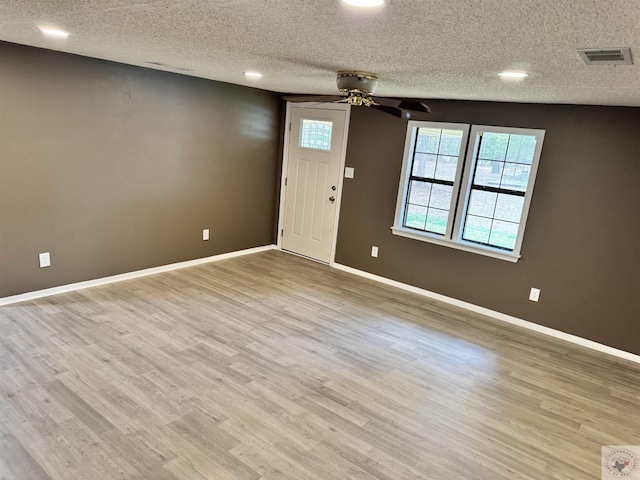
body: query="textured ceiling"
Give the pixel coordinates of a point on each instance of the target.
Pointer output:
(420, 48)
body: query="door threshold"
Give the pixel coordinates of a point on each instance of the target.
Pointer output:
(304, 256)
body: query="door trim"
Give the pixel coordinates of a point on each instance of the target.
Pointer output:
(285, 164)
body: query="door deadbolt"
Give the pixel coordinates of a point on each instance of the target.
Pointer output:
(333, 187)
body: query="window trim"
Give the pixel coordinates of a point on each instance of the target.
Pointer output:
(462, 189)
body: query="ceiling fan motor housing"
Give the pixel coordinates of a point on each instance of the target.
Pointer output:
(361, 82)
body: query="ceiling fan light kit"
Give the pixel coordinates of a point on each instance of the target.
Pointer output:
(353, 80)
(357, 86)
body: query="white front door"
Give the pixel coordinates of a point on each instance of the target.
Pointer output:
(313, 168)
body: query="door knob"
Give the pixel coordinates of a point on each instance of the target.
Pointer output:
(332, 199)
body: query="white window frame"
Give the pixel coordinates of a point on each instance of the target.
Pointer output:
(462, 189)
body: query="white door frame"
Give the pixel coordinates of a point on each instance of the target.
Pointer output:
(285, 166)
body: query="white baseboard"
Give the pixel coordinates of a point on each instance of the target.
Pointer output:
(410, 288)
(497, 315)
(128, 276)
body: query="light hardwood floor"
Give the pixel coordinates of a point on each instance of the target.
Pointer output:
(273, 367)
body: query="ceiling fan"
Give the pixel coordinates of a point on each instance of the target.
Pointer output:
(356, 88)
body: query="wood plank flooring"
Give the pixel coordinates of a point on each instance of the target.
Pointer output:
(272, 367)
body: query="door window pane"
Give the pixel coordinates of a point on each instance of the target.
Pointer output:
(316, 134)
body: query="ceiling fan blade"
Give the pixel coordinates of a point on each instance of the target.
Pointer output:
(404, 104)
(387, 102)
(401, 112)
(395, 111)
(312, 98)
(416, 105)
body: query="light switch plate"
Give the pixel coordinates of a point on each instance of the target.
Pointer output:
(374, 251)
(45, 259)
(348, 172)
(205, 234)
(534, 295)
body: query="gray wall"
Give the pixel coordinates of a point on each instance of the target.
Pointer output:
(582, 241)
(114, 168)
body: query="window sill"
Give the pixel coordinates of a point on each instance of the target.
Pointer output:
(466, 247)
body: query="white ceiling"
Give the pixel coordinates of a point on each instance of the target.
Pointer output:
(420, 48)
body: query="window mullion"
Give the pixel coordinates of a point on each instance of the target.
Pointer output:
(465, 189)
(457, 190)
(485, 188)
(431, 180)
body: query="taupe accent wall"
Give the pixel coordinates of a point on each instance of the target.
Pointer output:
(582, 241)
(114, 168)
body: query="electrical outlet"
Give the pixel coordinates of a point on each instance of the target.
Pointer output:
(205, 234)
(348, 172)
(374, 251)
(45, 259)
(534, 295)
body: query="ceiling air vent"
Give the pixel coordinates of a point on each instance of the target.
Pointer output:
(605, 56)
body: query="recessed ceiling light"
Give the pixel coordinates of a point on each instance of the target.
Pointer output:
(252, 74)
(510, 74)
(53, 32)
(364, 3)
